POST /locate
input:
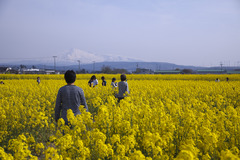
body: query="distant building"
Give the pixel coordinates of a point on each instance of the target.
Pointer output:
(37, 71)
(51, 71)
(30, 71)
(4, 70)
(211, 71)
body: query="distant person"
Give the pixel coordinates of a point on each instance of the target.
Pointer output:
(104, 83)
(69, 97)
(95, 81)
(1, 82)
(227, 79)
(114, 83)
(122, 87)
(38, 80)
(90, 82)
(217, 80)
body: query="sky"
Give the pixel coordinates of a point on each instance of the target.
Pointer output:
(184, 32)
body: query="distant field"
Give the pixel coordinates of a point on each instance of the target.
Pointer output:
(209, 77)
(164, 117)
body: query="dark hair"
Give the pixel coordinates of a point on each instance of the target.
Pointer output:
(113, 79)
(102, 77)
(123, 77)
(93, 77)
(70, 76)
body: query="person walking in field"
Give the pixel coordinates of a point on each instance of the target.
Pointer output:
(104, 83)
(114, 83)
(69, 97)
(122, 88)
(38, 80)
(90, 82)
(95, 81)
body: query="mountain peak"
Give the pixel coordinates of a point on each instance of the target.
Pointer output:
(72, 56)
(86, 57)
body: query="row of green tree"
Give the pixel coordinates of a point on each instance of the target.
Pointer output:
(108, 70)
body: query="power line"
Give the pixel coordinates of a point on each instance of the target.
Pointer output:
(26, 58)
(66, 59)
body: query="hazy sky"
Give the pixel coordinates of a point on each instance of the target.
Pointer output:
(188, 32)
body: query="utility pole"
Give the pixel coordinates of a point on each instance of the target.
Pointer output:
(93, 66)
(221, 64)
(55, 62)
(78, 65)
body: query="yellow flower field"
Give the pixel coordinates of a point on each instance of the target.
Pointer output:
(164, 117)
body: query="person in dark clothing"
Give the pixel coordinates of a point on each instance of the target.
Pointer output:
(38, 80)
(69, 97)
(104, 83)
(122, 88)
(90, 82)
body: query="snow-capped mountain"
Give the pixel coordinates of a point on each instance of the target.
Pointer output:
(71, 57)
(86, 57)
